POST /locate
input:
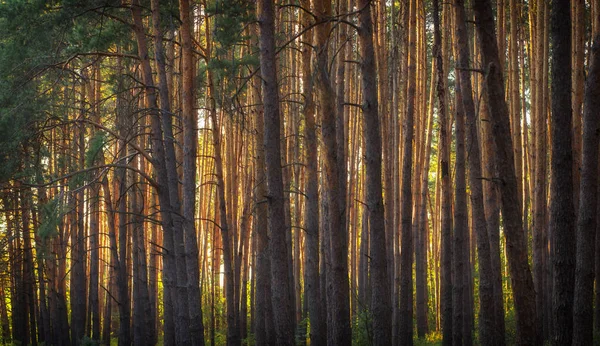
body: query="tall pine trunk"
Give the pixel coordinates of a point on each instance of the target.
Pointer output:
(522, 282)
(312, 290)
(487, 332)
(459, 264)
(588, 206)
(283, 309)
(190, 151)
(380, 295)
(446, 305)
(562, 215)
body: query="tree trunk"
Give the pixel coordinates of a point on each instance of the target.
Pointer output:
(232, 330)
(522, 283)
(588, 217)
(380, 298)
(578, 77)
(562, 215)
(338, 299)
(423, 231)
(311, 217)
(487, 331)
(141, 298)
(283, 309)
(164, 163)
(461, 224)
(94, 227)
(169, 269)
(119, 236)
(77, 282)
(540, 195)
(264, 327)
(405, 325)
(190, 151)
(446, 222)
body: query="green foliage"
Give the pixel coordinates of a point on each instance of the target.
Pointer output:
(87, 341)
(361, 328)
(250, 340)
(51, 214)
(98, 35)
(95, 146)
(39, 59)
(21, 56)
(596, 338)
(76, 181)
(510, 321)
(301, 331)
(433, 338)
(227, 63)
(230, 19)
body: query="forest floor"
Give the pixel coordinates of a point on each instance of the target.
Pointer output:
(431, 339)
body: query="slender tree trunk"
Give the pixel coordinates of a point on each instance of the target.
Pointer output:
(263, 328)
(578, 77)
(41, 246)
(446, 225)
(364, 285)
(164, 163)
(77, 282)
(515, 110)
(487, 332)
(190, 150)
(562, 216)
(311, 218)
(153, 270)
(522, 283)
(338, 299)
(380, 302)
(421, 268)
(597, 271)
(539, 207)
(28, 270)
(4, 320)
(404, 335)
(119, 249)
(232, 329)
(169, 269)
(461, 224)
(282, 306)
(142, 324)
(588, 206)
(94, 227)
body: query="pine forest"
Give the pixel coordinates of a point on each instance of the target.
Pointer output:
(300, 172)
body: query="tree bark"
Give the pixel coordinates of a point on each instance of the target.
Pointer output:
(164, 163)
(446, 222)
(588, 217)
(169, 265)
(77, 282)
(487, 331)
(283, 310)
(540, 193)
(119, 236)
(311, 217)
(562, 215)
(460, 229)
(338, 298)
(380, 295)
(190, 151)
(522, 283)
(141, 299)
